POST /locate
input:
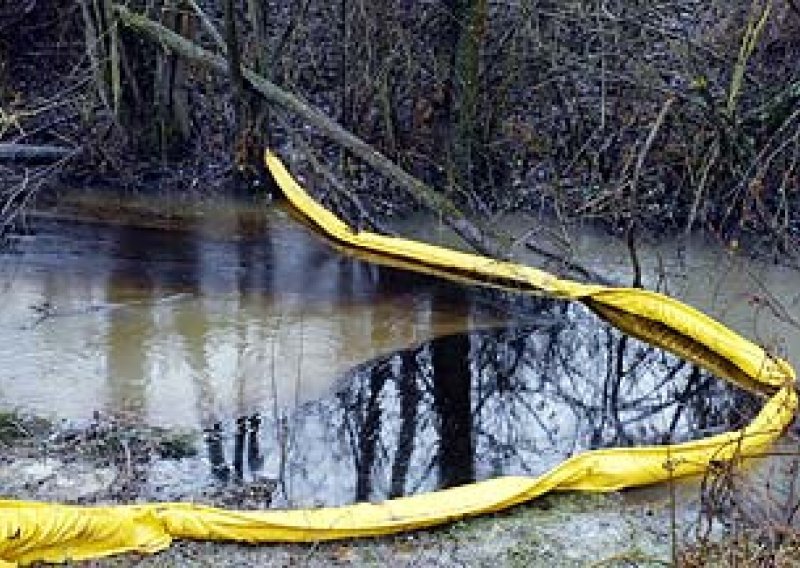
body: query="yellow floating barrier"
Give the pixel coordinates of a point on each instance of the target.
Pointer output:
(31, 531)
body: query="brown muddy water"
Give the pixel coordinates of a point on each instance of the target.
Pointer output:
(327, 378)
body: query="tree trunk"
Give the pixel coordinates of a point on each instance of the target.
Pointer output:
(250, 111)
(235, 67)
(457, 122)
(261, 128)
(171, 84)
(466, 84)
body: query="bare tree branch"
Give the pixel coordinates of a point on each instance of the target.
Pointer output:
(33, 153)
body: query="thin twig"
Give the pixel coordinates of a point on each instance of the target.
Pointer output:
(209, 27)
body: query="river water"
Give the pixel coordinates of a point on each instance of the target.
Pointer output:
(339, 380)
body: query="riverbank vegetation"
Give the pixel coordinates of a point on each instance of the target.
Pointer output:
(676, 116)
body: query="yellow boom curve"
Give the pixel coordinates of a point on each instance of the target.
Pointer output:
(31, 531)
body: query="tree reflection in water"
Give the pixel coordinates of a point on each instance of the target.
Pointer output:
(247, 434)
(512, 400)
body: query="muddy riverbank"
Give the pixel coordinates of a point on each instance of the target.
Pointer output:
(557, 530)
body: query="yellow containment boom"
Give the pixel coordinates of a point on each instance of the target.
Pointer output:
(31, 531)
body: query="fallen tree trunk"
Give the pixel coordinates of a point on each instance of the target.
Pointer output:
(466, 229)
(33, 153)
